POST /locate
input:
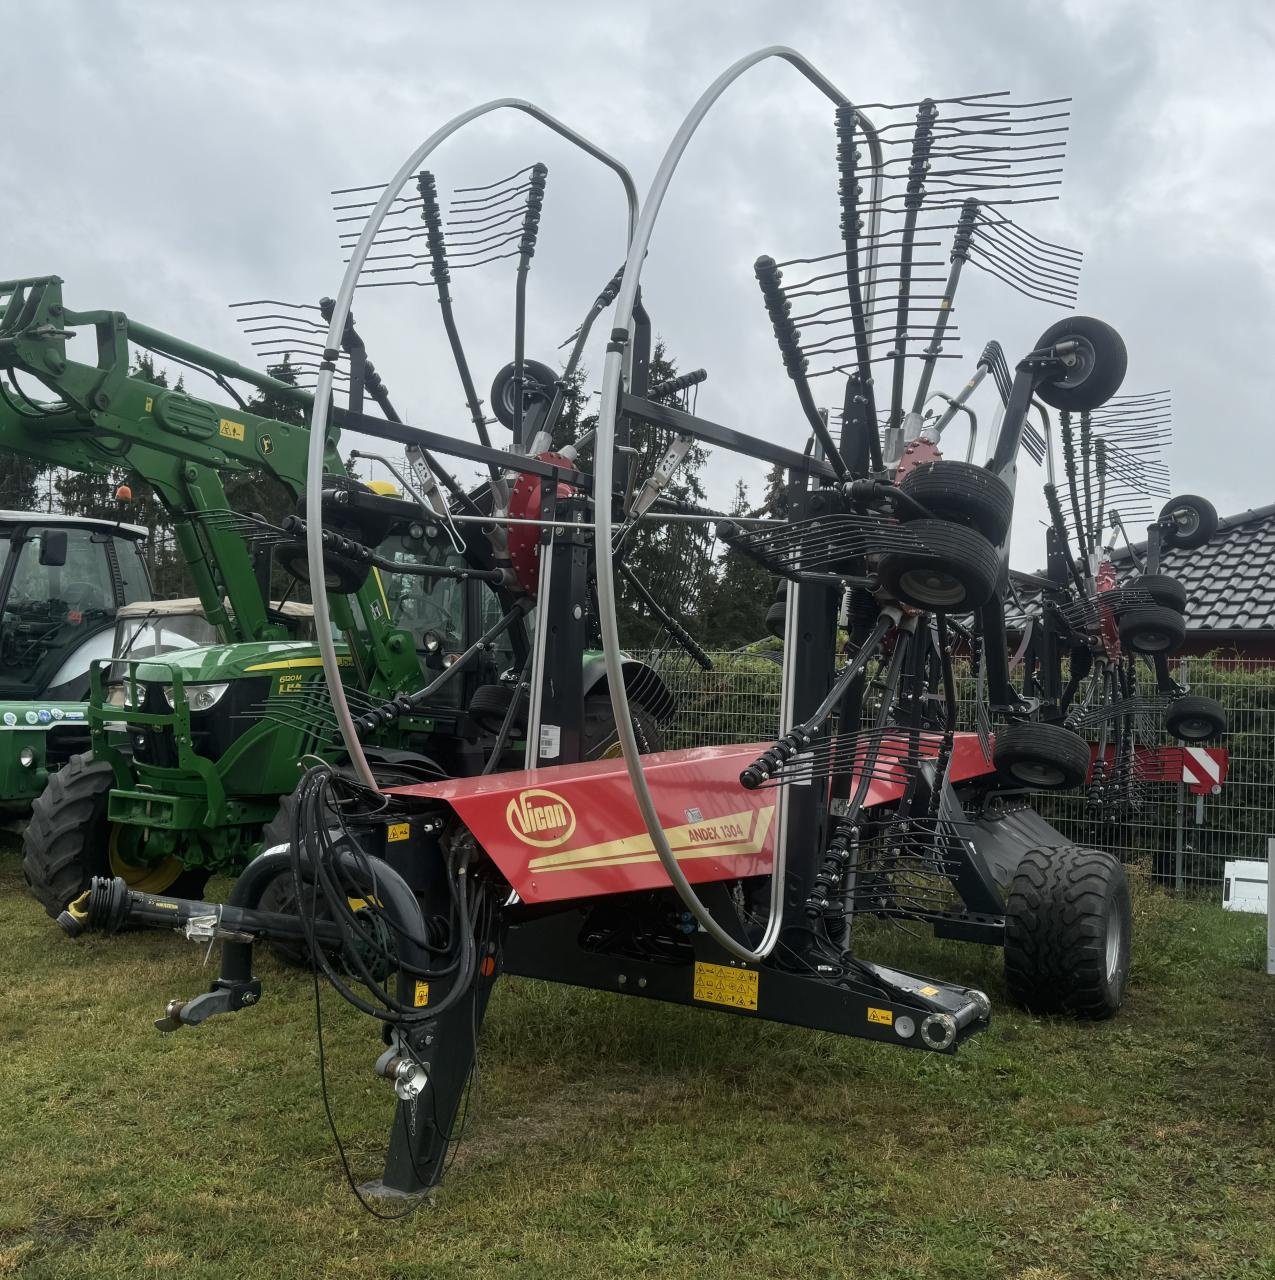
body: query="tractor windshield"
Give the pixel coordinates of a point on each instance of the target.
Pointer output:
(150, 634)
(426, 606)
(59, 584)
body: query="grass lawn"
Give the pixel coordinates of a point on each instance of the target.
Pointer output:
(618, 1138)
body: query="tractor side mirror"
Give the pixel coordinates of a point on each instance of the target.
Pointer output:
(53, 548)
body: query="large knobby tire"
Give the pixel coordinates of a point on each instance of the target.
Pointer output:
(952, 568)
(1067, 932)
(963, 492)
(490, 704)
(1043, 756)
(1193, 521)
(598, 738)
(1152, 628)
(1193, 719)
(1162, 589)
(69, 841)
(1097, 368)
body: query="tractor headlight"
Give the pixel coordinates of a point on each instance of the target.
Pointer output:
(119, 695)
(26, 757)
(199, 697)
(433, 641)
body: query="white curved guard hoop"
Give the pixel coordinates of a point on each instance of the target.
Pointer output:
(602, 482)
(321, 409)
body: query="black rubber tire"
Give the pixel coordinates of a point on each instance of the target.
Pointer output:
(1063, 906)
(67, 841)
(953, 569)
(538, 383)
(1152, 628)
(1194, 521)
(1099, 369)
(280, 894)
(961, 492)
(598, 740)
(1193, 719)
(490, 702)
(1162, 589)
(1040, 755)
(343, 575)
(777, 614)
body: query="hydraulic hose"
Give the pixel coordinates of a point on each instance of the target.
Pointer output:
(604, 470)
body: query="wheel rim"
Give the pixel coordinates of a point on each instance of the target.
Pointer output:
(932, 587)
(1186, 520)
(1085, 361)
(1115, 935)
(142, 879)
(1037, 773)
(1193, 728)
(1151, 641)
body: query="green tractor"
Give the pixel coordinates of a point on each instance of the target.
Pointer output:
(63, 582)
(194, 753)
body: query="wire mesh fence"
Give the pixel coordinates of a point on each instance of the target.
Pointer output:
(1182, 840)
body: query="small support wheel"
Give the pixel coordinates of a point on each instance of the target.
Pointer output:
(1094, 360)
(950, 568)
(1191, 521)
(962, 492)
(538, 383)
(1192, 719)
(1152, 628)
(1043, 756)
(1162, 589)
(1067, 933)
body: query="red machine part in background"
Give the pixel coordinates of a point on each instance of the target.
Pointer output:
(524, 504)
(1202, 769)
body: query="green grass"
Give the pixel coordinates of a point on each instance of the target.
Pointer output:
(618, 1138)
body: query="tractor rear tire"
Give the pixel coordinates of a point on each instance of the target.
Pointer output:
(1192, 719)
(961, 492)
(1067, 933)
(490, 704)
(1152, 628)
(1042, 756)
(598, 739)
(953, 569)
(69, 841)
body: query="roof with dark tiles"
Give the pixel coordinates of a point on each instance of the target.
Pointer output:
(1230, 582)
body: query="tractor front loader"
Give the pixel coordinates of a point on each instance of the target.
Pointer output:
(192, 754)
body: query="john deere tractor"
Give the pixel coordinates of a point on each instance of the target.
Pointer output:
(63, 580)
(193, 753)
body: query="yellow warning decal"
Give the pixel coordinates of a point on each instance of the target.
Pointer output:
(721, 984)
(884, 1016)
(421, 998)
(928, 991)
(231, 430)
(398, 831)
(150, 403)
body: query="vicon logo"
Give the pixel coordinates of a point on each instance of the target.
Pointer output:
(540, 818)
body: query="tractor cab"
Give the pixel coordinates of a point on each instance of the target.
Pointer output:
(62, 581)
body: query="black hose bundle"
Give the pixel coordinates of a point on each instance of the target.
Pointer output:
(375, 938)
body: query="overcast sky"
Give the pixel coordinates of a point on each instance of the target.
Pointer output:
(169, 159)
